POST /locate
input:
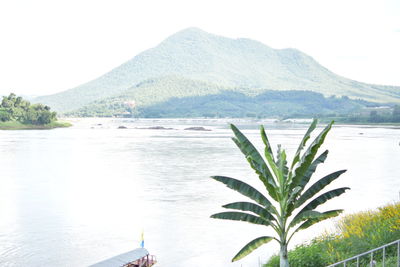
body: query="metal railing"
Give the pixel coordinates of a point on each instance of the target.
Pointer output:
(372, 262)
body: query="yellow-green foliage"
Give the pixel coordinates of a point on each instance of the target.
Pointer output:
(353, 224)
(355, 233)
(378, 226)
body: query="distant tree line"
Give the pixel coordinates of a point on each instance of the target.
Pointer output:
(376, 116)
(15, 108)
(230, 104)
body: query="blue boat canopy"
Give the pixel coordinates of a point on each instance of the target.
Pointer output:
(123, 259)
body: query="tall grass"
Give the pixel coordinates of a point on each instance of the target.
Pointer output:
(355, 233)
(16, 125)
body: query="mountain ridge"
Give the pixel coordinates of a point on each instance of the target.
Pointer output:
(230, 63)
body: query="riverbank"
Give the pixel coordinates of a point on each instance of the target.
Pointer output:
(15, 125)
(356, 233)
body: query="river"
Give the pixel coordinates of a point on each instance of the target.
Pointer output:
(79, 195)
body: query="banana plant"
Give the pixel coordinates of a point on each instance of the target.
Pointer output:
(289, 204)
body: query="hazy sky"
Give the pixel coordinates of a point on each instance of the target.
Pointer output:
(51, 46)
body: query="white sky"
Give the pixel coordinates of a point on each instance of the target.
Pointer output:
(50, 46)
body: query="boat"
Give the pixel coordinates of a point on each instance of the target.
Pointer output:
(139, 257)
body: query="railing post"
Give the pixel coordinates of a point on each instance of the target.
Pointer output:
(383, 257)
(358, 261)
(398, 253)
(372, 259)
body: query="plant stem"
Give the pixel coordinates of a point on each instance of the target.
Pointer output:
(284, 261)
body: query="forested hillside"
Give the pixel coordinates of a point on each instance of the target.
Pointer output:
(229, 104)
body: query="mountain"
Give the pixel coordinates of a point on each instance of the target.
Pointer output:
(211, 64)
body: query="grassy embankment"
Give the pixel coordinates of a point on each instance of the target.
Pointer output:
(356, 233)
(15, 125)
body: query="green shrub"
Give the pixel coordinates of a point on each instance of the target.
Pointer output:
(305, 255)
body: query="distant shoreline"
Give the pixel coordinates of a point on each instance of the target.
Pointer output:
(343, 122)
(15, 125)
(260, 120)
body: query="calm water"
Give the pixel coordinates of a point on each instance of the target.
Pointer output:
(76, 196)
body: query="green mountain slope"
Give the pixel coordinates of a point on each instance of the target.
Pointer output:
(150, 92)
(174, 96)
(232, 63)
